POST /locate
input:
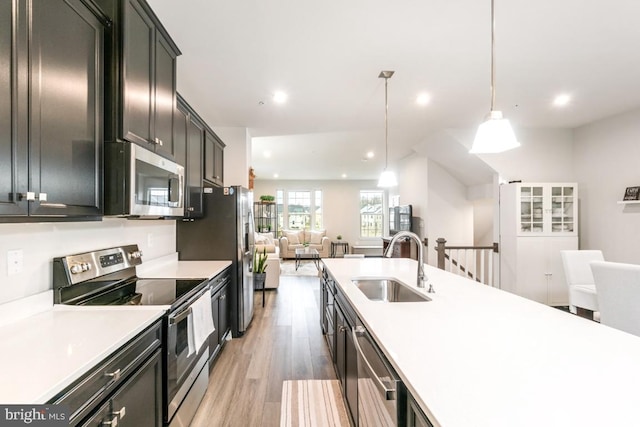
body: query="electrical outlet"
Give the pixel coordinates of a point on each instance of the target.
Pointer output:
(150, 240)
(14, 262)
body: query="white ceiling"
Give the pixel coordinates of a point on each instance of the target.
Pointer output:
(327, 56)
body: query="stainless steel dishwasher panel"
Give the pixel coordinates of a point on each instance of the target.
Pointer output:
(378, 384)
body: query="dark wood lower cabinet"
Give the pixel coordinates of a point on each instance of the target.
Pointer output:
(346, 356)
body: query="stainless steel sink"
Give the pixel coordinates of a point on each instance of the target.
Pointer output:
(388, 289)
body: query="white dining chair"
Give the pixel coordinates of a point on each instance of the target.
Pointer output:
(582, 289)
(618, 289)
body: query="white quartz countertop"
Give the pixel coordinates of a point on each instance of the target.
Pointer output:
(44, 353)
(478, 356)
(169, 267)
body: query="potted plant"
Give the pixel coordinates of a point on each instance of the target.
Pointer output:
(259, 269)
(267, 199)
(339, 237)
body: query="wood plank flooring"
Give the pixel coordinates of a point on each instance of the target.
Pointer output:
(283, 342)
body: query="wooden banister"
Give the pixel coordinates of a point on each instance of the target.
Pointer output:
(474, 270)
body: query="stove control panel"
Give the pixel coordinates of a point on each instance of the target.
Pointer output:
(77, 268)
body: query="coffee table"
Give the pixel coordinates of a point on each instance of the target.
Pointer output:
(307, 254)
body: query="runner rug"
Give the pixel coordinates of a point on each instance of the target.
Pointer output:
(312, 403)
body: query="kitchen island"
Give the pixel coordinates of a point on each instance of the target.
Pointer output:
(479, 356)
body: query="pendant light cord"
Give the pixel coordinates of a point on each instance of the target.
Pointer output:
(493, 60)
(386, 126)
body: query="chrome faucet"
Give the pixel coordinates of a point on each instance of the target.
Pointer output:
(421, 277)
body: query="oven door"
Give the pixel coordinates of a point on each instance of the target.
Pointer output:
(181, 364)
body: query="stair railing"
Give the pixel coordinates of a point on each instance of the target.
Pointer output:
(473, 262)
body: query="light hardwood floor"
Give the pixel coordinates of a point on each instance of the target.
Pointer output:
(283, 342)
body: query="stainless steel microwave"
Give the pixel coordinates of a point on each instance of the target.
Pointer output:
(141, 184)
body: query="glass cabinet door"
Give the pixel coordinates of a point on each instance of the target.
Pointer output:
(562, 209)
(531, 209)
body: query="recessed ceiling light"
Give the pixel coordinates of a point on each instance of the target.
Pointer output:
(275, 175)
(279, 97)
(423, 99)
(344, 175)
(561, 100)
(370, 155)
(267, 154)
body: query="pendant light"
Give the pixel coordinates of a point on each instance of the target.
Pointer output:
(495, 135)
(387, 178)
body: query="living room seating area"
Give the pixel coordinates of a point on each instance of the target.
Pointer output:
(296, 239)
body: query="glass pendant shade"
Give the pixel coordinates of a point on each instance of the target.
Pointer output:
(495, 135)
(387, 179)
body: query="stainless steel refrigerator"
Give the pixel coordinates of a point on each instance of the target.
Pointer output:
(224, 233)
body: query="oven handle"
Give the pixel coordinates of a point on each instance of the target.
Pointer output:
(387, 393)
(180, 316)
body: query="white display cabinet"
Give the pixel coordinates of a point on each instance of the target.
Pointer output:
(537, 221)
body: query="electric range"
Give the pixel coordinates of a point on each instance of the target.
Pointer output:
(108, 277)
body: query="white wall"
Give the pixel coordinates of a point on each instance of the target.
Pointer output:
(607, 156)
(40, 243)
(237, 154)
(412, 188)
(450, 213)
(341, 202)
(546, 155)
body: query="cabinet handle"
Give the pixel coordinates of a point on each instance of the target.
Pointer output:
(112, 423)
(190, 209)
(160, 142)
(223, 296)
(121, 413)
(342, 329)
(42, 197)
(115, 375)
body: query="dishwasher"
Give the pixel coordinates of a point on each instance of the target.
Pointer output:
(381, 394)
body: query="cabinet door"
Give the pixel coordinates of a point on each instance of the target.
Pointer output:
(213, 158)
(209, 153)
(194, 169)
(218, 162)
(531, 209)
(563, 209)
(165, 97)
(415, 417)
(66, 109)
(139, 43)
(138, 403)
(13, 115)
(181, 124)
(223, 313)
(341, 328)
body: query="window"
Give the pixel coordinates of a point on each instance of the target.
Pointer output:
(371, 213)
(299, 210)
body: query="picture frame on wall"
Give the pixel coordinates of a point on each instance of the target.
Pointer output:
(632, 193)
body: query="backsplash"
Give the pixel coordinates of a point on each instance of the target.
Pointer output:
(40, 243)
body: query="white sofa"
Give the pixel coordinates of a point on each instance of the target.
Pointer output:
(266, 241)
(295, 239)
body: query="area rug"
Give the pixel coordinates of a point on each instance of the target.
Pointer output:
(307, 268)
(312, 403)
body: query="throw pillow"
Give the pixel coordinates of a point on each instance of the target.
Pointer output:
(267, 238)
(292, 236)
(259, 239)
(316, 237)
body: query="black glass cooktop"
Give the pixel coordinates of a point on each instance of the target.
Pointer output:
(149, 292)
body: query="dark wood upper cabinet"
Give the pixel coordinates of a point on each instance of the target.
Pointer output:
(189, 138)
(213, 158)
(141, 82)
(51, 73)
